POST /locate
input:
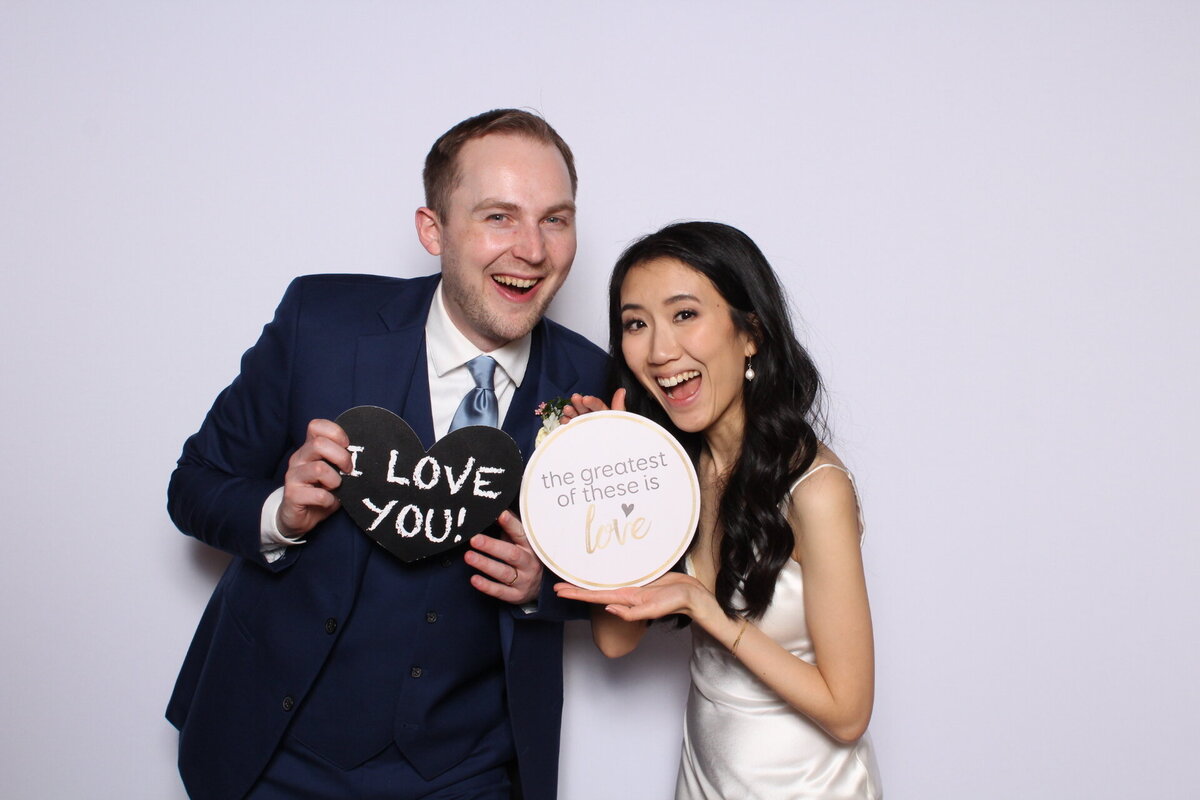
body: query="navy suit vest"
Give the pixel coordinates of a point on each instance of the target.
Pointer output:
(418, 663)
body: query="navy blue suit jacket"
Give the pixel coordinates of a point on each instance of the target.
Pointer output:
(336, 341)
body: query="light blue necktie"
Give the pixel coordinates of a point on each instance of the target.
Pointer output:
(479, 406)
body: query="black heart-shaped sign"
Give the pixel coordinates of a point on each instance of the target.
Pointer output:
(416, 503)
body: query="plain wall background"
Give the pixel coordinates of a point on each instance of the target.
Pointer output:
(986, 215)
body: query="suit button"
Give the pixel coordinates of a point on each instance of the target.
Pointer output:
(331, 625)
(415, 672)
(431, 616)
(288, 703)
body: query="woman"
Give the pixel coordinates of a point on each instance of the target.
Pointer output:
(782, 658)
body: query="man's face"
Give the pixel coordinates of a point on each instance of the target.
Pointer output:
(506, 238)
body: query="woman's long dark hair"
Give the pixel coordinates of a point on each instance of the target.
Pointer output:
(782, 403)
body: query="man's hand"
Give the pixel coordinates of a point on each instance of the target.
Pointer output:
(511, 572)
(312, 472)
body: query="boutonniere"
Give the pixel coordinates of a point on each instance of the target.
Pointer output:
(551, 414)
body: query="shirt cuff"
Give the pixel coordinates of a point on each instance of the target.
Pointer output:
(272, 543)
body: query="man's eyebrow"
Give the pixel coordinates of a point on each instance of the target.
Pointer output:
(499, 205)
(505, 205)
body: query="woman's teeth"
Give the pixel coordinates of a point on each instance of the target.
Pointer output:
(675, 380)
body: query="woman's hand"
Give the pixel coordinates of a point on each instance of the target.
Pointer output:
(673, 593)
(620, 616)
(585, 404)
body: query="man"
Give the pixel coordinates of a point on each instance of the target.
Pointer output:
(323, 666)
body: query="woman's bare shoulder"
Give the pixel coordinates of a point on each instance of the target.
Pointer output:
(826, 468)
(823, 501)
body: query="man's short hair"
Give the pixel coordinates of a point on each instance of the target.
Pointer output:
(441, 173)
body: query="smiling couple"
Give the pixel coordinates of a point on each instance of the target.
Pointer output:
(323, 667)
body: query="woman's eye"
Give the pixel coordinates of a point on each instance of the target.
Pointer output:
(631, 325)
(686, 314)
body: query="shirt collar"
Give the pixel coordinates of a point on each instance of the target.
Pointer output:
(448, 349)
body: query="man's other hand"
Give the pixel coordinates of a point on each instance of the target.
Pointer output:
(312, 474)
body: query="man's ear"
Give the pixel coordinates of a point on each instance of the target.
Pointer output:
(429, 230)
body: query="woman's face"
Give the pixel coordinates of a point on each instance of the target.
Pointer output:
(678, 338)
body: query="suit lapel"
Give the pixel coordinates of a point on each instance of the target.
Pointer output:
(549, 375)
(520, 422)
(390, 367)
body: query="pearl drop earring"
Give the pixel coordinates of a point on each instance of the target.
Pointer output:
(749, 369)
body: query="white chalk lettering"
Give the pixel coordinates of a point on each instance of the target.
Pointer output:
(355, 449)
(380, 512)
(392, 477)
(478, 490)
(437, 470)
(429, 524)
(404, 530)
(456, 485)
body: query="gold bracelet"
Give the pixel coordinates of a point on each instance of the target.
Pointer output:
(737, 641)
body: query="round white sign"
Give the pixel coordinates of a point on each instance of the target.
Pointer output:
(610, 499)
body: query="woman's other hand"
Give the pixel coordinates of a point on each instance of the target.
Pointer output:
(585, 404)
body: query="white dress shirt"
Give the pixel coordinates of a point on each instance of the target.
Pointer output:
(447, 353)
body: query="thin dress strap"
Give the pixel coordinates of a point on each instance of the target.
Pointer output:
(862, 524)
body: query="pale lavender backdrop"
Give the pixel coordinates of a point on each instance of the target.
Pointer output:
(986, 214)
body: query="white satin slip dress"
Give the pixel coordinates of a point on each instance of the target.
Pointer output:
(741, 741)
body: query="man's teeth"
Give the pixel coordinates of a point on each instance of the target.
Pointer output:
(518, 283)
(675, 380)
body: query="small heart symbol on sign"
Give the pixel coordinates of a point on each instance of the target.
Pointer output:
(416, 503)
(627, 508)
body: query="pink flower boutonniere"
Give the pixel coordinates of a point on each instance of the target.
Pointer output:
(551, 414)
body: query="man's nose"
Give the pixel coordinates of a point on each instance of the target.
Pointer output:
(530, 245)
